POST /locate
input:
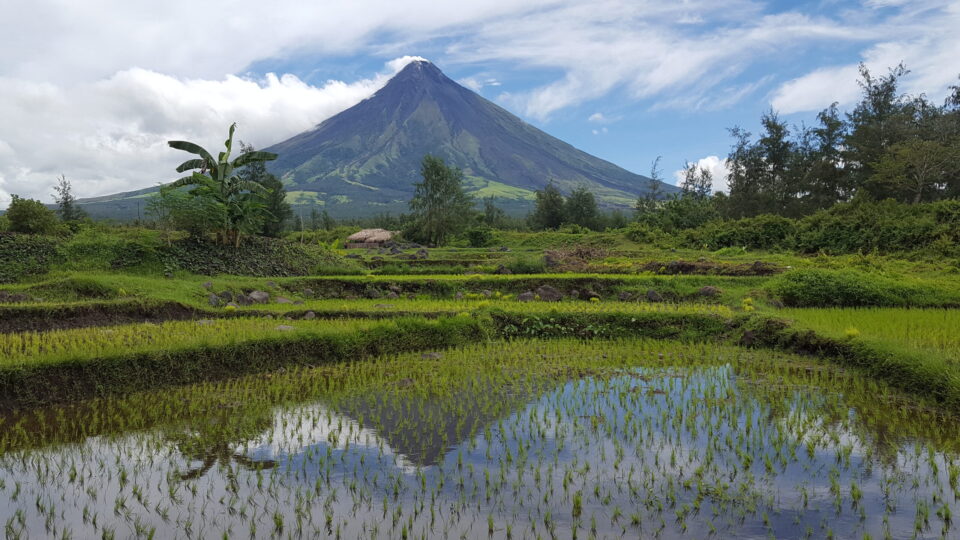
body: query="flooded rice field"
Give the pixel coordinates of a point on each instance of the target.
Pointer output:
(506, 440)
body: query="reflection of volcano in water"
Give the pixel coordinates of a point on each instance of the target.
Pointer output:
(415, 429)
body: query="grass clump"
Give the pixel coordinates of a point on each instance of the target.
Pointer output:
(817, 287)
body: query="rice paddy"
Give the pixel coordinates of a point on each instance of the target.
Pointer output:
(525, 439)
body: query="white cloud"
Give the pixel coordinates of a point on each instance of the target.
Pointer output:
(600, 118)
(110, 135)
(600, 131)
(718, 169)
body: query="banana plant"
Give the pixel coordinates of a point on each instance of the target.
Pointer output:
(239, 200)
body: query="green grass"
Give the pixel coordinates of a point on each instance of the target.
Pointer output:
(930, 331)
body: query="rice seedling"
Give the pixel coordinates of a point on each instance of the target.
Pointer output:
(522, 439)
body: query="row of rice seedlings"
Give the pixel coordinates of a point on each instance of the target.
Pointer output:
(502, 302)
(82, 343)
(927, 330)
(517, 440)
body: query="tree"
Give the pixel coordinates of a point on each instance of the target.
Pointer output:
(30, 217)
(548, 213)
(66, 202)
(697, 181)
(493, 216)
(917, 169)
(440, 207)
(238, 203)
(581, 208)
(274, 197)
(647, 203)
(327, 222)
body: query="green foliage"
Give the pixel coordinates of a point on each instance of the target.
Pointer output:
(851, 288)
(101, 248)
(29, 216)
(761, 232)
(276, 210)
(479, 237)
(681, 213)
(25, 255)
(66, 202)
(258, 256)
(236, 204)
(440, 207)
(527, 264)
(580, 209)
(549, 210)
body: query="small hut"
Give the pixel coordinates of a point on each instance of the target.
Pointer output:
(369, 238)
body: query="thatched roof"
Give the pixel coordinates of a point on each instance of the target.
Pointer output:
(370, 236)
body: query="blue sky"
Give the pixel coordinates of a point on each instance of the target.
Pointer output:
(93, 90)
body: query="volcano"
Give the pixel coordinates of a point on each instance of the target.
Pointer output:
(370, 154)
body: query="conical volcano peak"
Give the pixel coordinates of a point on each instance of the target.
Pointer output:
(419, 69)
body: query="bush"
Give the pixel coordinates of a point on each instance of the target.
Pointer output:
(527, 265)
(761, 232)
(102, 248)
(851, 288)
(31, 217)
(479, 237)
(257, 256)
(23, 255)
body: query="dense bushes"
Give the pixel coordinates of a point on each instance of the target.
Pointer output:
(761, 232)
(851, 288)
(256, 256)
(860, 226)
(25, 255)
(101, 248)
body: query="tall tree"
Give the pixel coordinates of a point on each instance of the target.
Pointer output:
(493, 215)
(273, 197)
(440, 207)
(580, 208)
(548, 212)
(238, 202)
(697, 181)
(647, 203)
(917, 170)
(67, 207)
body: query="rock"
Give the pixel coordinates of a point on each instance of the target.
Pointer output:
(392, 295)
(284, 327)
(777, 304)
(259, 297)
(376, 258)
(422, 253)
(373, 293)
(459, 295)
(709, 291)
(352, 256)
(589, 295)
(504, 248)
(298, 302)
(412, 296)
(168, 275)
(243, 300)
(487, 293)
(309, 315)
(208, 285)
(624, 296)
(231, 305)
(747, 339)
(526, 296)
(575, 294)
(14, 298)
(395, 250)
(226, 296)
(395, 288)
(549, 294)
(654, 296)
(214, 300)
(272, 284)
(308, 293)
(282, 300)
(503, 270)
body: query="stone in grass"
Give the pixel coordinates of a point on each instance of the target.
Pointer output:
(298, 302)
(231, 305)
(309, 315)
(285, 327)
(459, 295)
(575, 294)
(208, 285)
(654, 296)
(226, 296)
(214, 300)
(308, 292)
(282, 300)
(392, 295)
(624, 296)
(709, 291)
(487, 293)
(259, 297)
(526, 296)
(243, 300)
(590, 295)
(549, 294)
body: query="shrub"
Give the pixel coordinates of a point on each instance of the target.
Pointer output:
(527, 264)
(851, 288)
(256, 256)
(101, 248)
(479, 237)
(31, 217)
(23, 255)
(761, 232)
